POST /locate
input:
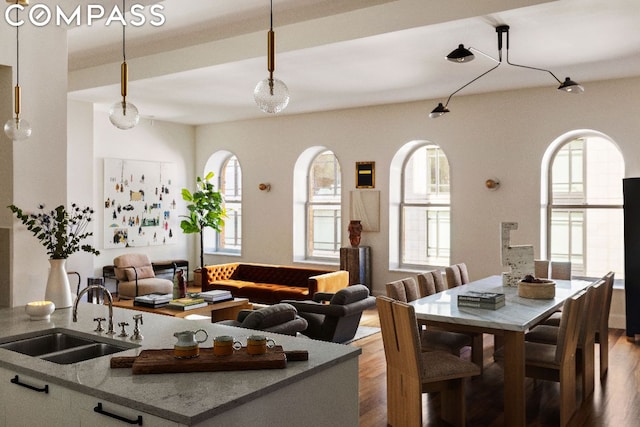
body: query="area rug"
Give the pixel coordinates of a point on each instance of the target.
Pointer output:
(363, 332)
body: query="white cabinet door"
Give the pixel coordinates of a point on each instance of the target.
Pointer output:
(111, 414)
(29, 402)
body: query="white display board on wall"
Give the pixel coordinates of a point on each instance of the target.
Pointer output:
(139, 203)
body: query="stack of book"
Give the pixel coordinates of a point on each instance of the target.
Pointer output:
(185, 304)
(154, 300)
(216, 295)
(490, 300)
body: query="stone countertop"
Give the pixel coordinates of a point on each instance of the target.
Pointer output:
(187, 398)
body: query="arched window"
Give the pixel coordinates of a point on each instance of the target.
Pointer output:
(584, 215)
(228, 172)
(324, 208)
(423, 205)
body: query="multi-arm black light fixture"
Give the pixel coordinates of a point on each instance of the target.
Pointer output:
(462, 54)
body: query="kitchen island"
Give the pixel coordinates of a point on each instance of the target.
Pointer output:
(322, 391)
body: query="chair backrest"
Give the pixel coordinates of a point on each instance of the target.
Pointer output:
(344, 312)
(605, 309)
(560, 270)
(590, 312)
(140, 262)
(400, 336)
(541, 268)
(431, 282)
(457, 274)
(404, 290)
(569, 330)
(270, 316)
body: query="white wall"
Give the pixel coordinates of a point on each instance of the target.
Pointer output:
(39, 164)
(150, 140)
(501, 135)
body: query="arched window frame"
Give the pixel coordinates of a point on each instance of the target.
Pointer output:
(580, 264)
(398, 205)
(304, 247)
(217, 243)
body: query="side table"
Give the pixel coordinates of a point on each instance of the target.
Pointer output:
(357, 261)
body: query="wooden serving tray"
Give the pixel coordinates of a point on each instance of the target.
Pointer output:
(164, 362)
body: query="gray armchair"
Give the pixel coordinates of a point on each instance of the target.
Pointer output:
(278, 318)
(338, 320)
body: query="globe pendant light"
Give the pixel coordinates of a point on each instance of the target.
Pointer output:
(271, 95)
(123, 114)
(17, 128)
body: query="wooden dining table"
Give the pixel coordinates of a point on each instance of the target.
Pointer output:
(509, 322)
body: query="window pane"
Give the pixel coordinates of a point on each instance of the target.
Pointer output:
(567, 173)
(324, 207)
(325, 178)
(325, 231)
(426, 176)
(426, 240)
(231, 235)
(232, 183)
(587, 172)
(426, 223)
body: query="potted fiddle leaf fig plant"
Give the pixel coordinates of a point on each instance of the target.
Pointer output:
(61, 232)
(206, 209)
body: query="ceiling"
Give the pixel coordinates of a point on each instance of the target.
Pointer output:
(202, 64)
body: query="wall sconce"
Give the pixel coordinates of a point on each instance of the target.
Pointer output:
(492, 184)
(264, 187)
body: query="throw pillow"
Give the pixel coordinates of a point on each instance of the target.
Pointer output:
(144, 272)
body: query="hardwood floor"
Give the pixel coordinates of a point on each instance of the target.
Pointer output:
(615, 401)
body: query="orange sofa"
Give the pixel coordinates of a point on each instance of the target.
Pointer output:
(270, 284)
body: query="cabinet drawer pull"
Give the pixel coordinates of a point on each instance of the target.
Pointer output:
(16, 380)
(99, 410)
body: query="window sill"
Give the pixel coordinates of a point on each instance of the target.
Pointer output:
(236, 254)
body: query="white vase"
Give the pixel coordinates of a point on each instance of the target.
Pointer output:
(58, 289)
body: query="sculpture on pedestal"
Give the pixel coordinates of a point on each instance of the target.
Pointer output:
(518, 258)
(355, 231)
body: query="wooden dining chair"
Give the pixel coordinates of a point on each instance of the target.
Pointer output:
(457, 274)
(560, 270)
(602, 331)
(406, 290)
(431, 282)
(557, 362)
(411, 372)
(585, 348)
(541, 268)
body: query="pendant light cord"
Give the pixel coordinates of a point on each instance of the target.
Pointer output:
(124, 25)
(17, 51)
(271, 16)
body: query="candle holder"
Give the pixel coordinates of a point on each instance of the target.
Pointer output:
(40, 310)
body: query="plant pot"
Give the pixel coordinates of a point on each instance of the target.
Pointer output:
(58, 289)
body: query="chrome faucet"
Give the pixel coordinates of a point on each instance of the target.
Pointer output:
(106, 292)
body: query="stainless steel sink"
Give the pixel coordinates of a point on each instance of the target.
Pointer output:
(64, 346)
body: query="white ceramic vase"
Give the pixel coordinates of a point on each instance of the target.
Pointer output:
(58, 289)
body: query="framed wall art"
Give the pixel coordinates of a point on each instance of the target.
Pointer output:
(365, 206)
(365, 174)
(139, 203)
